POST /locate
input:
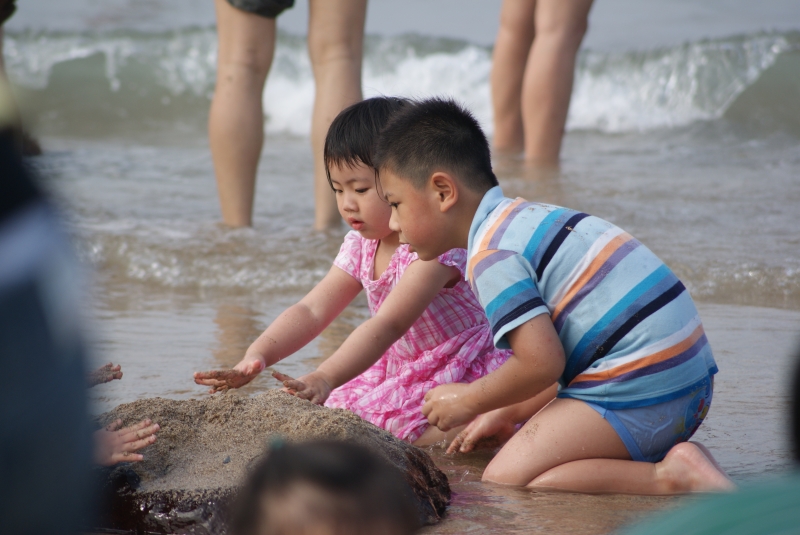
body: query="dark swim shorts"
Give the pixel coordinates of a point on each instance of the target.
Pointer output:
(265, 8)
(7, 8)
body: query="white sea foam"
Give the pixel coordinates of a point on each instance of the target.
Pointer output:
(633, 91)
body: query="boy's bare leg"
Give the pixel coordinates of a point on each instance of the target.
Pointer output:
(568, 446)
(547, 86)
(335, 46)
(236, 119)
(511, 48)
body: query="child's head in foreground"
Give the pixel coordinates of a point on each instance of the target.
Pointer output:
(349, 164)
(434, 164)
(324, 488)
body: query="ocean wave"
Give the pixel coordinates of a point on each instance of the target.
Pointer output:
(71, 78)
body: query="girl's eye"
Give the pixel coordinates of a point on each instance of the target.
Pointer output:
(338, 191)
(362, 190)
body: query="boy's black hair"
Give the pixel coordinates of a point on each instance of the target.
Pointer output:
(436, 134)
(362, 493)
(353, 133)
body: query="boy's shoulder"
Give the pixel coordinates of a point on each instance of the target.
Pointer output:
(517, 224)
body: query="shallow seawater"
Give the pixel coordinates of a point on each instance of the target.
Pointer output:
(694, 149)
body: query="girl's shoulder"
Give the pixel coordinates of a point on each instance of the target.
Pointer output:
(456, 258)
(354, 254)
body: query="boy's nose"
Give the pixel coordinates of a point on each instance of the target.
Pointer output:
(394, 225)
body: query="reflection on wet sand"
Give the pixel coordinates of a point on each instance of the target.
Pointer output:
(482, 507)
(534, 183)
(237, 327)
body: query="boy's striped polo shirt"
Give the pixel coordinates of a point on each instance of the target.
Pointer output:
(631, 333)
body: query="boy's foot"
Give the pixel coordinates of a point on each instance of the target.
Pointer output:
(689, 467)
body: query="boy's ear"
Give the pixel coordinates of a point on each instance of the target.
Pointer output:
(445, 187)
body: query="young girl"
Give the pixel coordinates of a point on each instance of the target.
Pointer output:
(427, 327)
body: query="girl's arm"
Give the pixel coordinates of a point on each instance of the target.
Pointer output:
(420, 283)
(293, 329)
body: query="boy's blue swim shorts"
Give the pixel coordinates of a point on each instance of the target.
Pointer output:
(650, 432)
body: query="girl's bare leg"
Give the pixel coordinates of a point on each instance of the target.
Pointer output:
(236, 119)
(433, 435)
(568, 446)
(514, 38)
(547, 86)
(335, 46)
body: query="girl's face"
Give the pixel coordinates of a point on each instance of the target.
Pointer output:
(358, 201)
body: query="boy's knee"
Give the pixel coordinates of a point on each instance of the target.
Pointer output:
(504, 475)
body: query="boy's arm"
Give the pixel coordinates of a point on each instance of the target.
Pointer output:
(293, 329)
(418, 286)
(536, 364)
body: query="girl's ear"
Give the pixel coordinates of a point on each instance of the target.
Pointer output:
(445, 187)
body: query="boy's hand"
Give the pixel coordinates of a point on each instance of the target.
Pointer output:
(104, 374)
(487, 431)
(313, 387)
(446, 406)
(240, 375)
(114, 445)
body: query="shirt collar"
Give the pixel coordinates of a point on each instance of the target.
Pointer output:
(490, 200)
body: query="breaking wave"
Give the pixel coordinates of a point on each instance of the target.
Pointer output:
(76, 82)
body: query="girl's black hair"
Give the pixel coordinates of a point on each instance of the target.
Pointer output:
(354, 132)
(366, 493)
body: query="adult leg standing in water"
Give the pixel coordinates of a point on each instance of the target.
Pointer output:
(533, 67)
(246, 49)
(335, 46)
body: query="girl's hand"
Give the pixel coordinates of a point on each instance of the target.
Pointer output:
(240, 375)
(447, 406)
(314, 387)
(488, 430)
(114, 445)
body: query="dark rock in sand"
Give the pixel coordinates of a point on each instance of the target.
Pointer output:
(206, 447)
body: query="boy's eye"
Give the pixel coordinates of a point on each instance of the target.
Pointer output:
(393, 204)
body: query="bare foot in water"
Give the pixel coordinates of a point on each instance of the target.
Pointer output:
(690, 467)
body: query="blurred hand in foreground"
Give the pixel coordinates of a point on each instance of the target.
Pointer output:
(104, 374)
(114, 445)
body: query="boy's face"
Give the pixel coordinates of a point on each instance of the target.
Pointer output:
(416, 215)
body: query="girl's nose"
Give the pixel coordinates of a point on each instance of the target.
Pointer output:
(349, 204)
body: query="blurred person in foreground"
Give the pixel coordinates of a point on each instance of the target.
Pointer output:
(533, 66)
(45, 434)
(770, 507)
(46, 443)
(22, 140)
(324, 488)
(246, 31)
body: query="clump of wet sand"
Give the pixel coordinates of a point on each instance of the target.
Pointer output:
(206, 447)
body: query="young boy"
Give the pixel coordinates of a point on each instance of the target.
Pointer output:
(579, 301)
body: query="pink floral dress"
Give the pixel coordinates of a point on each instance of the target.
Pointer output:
(451, 342)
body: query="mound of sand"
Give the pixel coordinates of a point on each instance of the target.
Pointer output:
(205, 448)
